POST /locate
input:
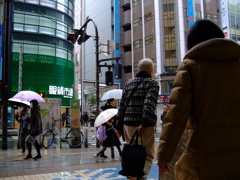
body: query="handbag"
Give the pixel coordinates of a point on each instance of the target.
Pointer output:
(133, 158)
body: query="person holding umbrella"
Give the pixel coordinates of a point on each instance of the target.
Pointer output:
(24, 121)
(35, 130)
(111, 104)
(106, 119)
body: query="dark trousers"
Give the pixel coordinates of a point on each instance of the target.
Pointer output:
(37, 146)
(104, 149)
(23, 136)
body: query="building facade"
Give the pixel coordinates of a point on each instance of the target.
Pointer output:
(158, 30)
(39, 40)
(105, 16)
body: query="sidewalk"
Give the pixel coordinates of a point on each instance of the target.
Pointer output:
(63, 163)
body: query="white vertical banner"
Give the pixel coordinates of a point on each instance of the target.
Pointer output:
(224, 13)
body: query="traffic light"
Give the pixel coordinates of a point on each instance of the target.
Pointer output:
(72, 37)
(117, 70)
(41, 94)
(83, 37)
(109, 78)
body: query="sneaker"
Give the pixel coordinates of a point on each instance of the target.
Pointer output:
(21, 154)
(95, 157)
(114, 159)
(103, 156)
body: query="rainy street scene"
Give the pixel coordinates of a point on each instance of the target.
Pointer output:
(121, 90)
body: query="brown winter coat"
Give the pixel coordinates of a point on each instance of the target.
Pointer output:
(205, 99)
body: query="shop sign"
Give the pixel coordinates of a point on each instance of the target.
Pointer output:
(163, 99)
(59, 90)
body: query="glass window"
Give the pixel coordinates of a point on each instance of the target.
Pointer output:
(62, 8)
(30, 48)
(48, 3)
(77, 60)
(32, 1)
(16, 47)
(149, 39)
(70, 56)
(47, 22)
(149, 16)
(45, 30)
(61, 53)
(61, 34)
(18, 18)
(137, 22)
(34, 20)
(45, 50)
(137, 44)
(30, 28)
(61, 26)
(18, 27)
(76, 78)
(166, 87)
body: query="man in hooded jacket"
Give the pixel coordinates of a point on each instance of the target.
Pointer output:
(205, 99)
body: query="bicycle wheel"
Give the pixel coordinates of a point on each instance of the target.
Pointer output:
(74, 138)
(47, 140)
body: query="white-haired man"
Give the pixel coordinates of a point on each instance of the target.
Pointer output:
(139, 113)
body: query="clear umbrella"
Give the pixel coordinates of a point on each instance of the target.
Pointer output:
(112, 94)
(105, 116)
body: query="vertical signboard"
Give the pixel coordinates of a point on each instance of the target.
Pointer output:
(117, 30)
(75, 113)
(224, 13)
(190, 7)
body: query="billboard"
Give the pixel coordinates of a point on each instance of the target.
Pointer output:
(190, 12)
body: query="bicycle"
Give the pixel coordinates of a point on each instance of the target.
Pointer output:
(73, 137)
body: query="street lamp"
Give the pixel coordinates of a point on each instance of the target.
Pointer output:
(81, 36)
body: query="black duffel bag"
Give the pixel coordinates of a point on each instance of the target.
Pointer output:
(133, 158)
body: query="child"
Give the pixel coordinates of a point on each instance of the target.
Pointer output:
(109, 142)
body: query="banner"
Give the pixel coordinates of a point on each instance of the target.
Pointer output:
(75, 113)
(190, 13)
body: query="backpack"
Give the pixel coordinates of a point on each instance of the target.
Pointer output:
(101, 133)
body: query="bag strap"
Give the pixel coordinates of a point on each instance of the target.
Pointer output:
(134, 89)
(136, 135)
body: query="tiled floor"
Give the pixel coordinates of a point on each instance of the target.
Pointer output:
(86, 174)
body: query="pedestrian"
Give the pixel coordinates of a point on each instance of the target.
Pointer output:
(85, 119)
(137, 111)
(109, 142)
(68, 121)
(24, 127)
(92, 120)
(35, 130)
(205, 100)
(64, 119)
(108, 105)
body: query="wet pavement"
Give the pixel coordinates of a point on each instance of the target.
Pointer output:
(64, 163)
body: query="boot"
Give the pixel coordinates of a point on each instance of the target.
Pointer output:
(37, 146)
(29, 146)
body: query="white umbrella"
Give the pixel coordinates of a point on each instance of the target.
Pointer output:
(28, 96)
(105, 116)
(112, 94)
(18, 101)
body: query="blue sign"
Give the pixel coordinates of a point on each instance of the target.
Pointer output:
(190, 13)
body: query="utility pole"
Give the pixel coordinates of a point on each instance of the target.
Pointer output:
(5, 70)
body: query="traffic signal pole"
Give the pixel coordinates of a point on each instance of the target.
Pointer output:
(5, 70)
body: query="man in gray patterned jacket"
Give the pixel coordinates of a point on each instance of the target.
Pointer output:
(140, 112)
